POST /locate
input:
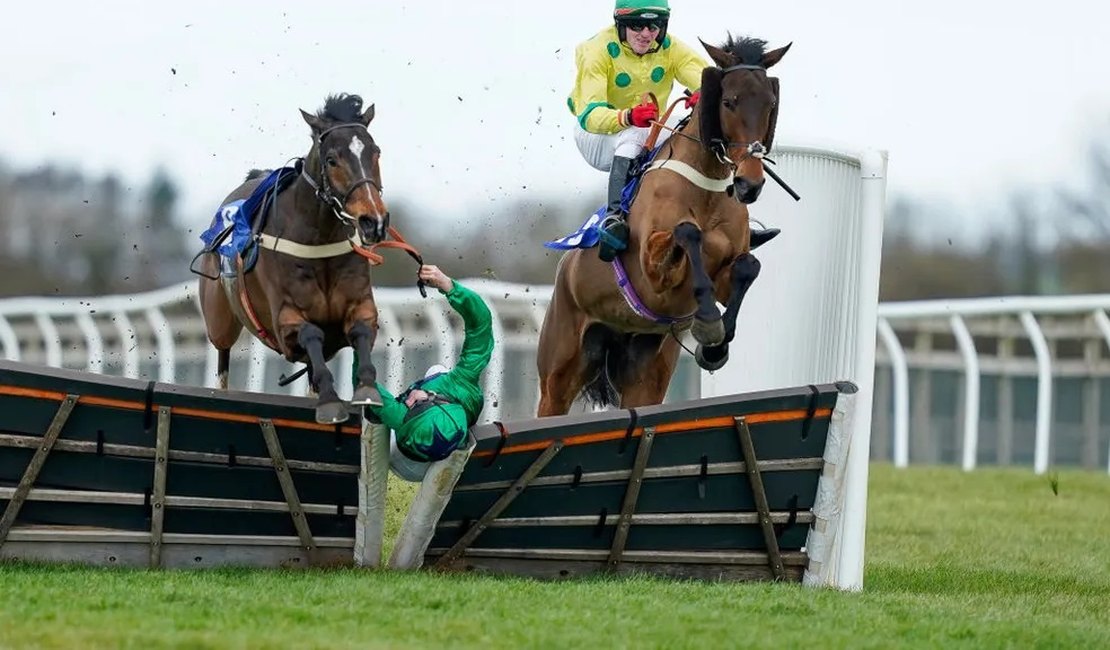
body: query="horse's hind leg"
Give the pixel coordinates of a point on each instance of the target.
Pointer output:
(647, 384)
(731, 286)
(220, 324)
(559, 357)
(560, 386)
(223, 363)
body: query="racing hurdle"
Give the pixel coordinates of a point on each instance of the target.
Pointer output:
(113, 471)
(741, 487)
(119, 472)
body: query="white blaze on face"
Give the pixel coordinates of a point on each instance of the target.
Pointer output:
(356, 148)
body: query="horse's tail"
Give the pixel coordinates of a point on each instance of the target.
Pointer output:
(604, 358)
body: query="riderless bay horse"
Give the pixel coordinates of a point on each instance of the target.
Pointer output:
(309, 294)
(689, 248)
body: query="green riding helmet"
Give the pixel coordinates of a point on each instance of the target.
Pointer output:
(642, 9)
(638, 12)
(432, 430)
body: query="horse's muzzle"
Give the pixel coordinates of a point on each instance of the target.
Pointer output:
(373, 228)
(746, 191)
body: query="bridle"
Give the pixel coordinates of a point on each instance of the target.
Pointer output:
(326, 195)
(324, 191)
(722, 147)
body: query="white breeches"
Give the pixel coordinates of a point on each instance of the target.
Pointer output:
(599, 148)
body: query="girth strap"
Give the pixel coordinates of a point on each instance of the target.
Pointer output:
(235, 289)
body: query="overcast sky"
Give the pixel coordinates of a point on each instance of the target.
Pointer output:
(470, 96)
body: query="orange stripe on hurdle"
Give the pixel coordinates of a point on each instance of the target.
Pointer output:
(93, 400)
(669, 427)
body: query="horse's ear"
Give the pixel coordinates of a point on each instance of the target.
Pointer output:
(720, 57)
(769, 139)
(367, 116)
(774, 56)
(316, 123)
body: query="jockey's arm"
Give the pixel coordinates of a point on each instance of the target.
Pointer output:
(596, 114)
(391, 412)
(478, 332)
(688, 65)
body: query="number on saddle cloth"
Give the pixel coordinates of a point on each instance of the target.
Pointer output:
(232, 230)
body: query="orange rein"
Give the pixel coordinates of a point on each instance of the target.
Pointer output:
(661, 123)
(398, 242)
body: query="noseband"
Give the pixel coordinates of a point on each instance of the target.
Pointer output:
(323, 189)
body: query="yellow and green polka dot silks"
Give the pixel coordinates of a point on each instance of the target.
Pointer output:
(611, 77)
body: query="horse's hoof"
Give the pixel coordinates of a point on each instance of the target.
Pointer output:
(711, 358)
(331, 413)
(708, 333)
(366, 396)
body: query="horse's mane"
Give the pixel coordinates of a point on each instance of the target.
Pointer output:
(341, 108)
(747, 50)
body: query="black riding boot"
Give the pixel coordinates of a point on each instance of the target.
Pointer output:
(614, 228)
(761, 237)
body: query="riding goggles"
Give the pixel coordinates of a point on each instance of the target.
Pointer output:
(638, 24)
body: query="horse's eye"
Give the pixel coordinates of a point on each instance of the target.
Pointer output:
(728, 103)
(331, 161)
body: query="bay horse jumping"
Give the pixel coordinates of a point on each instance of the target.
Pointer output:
(309, 294)
(688, 249)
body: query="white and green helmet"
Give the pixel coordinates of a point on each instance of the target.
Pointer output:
(642, 9)
(628, 13)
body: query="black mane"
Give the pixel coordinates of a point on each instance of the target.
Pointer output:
(747, 50)
(341, 108)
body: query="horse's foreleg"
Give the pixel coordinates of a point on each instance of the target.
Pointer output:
(707, 328)
(362, 336)
(329, 408)
(737, 280)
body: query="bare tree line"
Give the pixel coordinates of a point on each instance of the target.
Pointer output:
(62, 233)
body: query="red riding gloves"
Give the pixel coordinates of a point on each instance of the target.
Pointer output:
(692, 100)
(641, 115)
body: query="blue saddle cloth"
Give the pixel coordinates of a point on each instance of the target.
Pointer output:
(235, 219)
(589, 233)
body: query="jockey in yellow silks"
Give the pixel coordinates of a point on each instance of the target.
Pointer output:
(616, 68)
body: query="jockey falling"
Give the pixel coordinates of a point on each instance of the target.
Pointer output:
(616, 68)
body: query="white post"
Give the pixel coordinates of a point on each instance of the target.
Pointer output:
(812, 316)
(372, 485)
(1044, 391)
(853, 523)
(971, 390)
(821, 543)
(901, 379)
(1103, 324)
(423, 515)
